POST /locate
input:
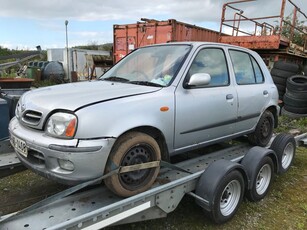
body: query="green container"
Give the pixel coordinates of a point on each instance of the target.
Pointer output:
(31, 73)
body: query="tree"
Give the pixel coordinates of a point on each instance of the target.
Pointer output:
(299, 31)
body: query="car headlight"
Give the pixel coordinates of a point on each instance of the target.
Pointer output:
(62, 125)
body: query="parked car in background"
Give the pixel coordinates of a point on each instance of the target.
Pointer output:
(157, 102)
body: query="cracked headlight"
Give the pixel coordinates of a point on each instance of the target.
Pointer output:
(62, 125)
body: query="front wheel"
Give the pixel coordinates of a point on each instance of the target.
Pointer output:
(264, 130)
(130, 149)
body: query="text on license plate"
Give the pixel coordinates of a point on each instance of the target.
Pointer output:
(20, 146)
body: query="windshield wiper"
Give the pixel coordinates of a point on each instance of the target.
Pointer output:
(147, 83)
(114, 78)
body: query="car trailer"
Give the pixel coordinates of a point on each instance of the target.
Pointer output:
(218, 181)
(9, 162)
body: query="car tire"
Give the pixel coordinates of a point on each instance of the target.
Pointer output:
(279, 80)
(132, 148)
(287, 66)
(281, 87)
(281, 90)
(233, 184)
(294, 109)
(281, 94)
(281, 73)
(284, 146)
(297, 83)
(295, 102)
(264, 130)
(263, 172)
(297, 94)
(224, 191)
(284, 112)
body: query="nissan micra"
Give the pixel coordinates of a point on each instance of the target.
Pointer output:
(157, 102)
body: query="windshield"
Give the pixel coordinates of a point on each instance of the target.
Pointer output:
(153, 66)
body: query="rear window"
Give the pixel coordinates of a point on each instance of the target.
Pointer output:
(246, 68)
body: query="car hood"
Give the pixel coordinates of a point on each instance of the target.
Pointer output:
(75, 95)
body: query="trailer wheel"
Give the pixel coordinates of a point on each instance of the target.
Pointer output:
(264, 172)
(222, 186)
(264, 130)
(132, 148)
(284, 146)
(229, 195)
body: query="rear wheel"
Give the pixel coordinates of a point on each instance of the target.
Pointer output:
(264, 130)
(130, 149)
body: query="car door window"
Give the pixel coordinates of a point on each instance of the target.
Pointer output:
(247, 70)
(211, 61)
(258, 72)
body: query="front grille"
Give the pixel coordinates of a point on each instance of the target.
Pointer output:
(36, 157)
(31, 117)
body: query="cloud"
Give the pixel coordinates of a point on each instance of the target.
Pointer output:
(192, 10)
(50, 15)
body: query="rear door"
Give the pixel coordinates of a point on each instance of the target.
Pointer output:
(253, 93)
(209, 112)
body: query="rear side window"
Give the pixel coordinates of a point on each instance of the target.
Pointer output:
(246, 68)
(213, 62)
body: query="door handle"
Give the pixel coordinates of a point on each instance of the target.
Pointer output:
(229, 96)
(265, 92)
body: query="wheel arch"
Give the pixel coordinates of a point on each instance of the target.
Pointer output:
(274, 111)
(157, 135)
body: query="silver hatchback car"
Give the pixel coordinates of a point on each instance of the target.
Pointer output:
(157, 102)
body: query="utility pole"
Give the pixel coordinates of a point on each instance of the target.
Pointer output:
(67, 57)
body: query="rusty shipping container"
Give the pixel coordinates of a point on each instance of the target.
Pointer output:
(130, 36)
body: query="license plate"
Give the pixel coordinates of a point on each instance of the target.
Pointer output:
(20, 146)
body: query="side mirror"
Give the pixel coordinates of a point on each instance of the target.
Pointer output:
(199, 79)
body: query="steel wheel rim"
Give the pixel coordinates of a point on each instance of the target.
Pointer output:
(287, 155)
(263, 179)
(138, 154)
(230, 198)
(266, 128)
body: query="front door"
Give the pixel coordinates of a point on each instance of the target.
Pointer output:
(205, 113)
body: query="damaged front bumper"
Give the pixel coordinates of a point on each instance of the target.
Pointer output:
(65, 161)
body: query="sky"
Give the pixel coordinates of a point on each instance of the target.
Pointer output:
(24, 24)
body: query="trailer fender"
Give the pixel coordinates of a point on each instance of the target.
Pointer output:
(208, 182)
(251, 160)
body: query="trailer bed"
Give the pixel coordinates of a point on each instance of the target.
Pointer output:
(97, 207)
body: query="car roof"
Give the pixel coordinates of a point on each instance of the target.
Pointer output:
(198, 43)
